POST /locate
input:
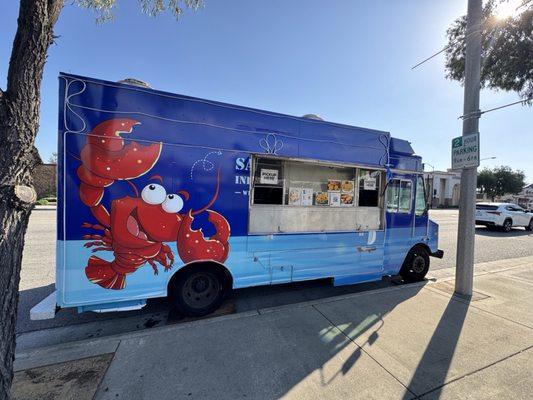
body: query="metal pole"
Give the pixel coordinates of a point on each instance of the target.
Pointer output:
(467, 201)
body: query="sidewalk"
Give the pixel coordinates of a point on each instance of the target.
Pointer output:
(410, 341)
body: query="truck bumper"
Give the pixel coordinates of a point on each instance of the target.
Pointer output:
(439, 254)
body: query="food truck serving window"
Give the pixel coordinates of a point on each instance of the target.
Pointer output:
(306, 196)
(268, 181)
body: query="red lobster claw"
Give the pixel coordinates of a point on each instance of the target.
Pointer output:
(105, 158)
(193, 246)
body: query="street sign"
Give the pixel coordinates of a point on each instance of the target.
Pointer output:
(465, 151)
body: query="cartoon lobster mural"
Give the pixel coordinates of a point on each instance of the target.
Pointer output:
(136, 228)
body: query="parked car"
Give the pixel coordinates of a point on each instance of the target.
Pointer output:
(503, 215)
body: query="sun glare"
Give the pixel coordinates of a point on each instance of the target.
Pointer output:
(507, 9)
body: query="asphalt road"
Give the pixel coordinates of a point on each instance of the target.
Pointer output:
(38, 274)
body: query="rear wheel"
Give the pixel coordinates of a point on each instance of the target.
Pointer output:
(507, 225)
(416, 265)
(530, 226)
(198, 291)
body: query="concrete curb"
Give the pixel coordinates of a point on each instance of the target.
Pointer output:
(48, 207)
(65, 352)
(490, 267)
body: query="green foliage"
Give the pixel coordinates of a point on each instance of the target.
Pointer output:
(42, 202)
(507, 50)
(53, 158)
(104, 8)
(500, 181)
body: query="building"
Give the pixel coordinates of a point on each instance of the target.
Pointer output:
(443, 187)
(525, 197)
(45, 180)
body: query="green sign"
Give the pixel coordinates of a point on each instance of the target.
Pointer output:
(457, 142)
(465, 151)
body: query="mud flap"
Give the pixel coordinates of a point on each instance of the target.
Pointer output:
(45, 309)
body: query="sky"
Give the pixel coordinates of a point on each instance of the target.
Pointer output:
(347, 61)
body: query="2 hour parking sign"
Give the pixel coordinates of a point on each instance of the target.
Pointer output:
(465, 151)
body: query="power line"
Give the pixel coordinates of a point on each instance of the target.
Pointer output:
(446, 48)
(479, 112)
(434, 55)
(457, 40)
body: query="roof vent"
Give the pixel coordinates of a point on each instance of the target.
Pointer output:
(313, 116)
(135, 82)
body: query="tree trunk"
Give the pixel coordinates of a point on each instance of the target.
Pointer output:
(19, 123)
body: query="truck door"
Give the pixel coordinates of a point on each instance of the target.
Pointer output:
(399, 229)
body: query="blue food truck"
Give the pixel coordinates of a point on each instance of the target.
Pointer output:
(162, 195)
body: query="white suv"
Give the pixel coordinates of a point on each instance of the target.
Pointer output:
(503, 215)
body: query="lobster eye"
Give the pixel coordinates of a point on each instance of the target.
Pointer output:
(173, 203)
(154, 194)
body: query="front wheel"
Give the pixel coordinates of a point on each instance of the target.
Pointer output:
(530, 226)
(198, 291)
(416, 265)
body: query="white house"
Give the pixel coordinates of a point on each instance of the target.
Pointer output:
(444, 187)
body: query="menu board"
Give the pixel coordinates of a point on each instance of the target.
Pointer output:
(321, 199)
(307, 197)
(347, 194)
(334, 185)
(347, 199)
(295, 196)
(347, 186)
(334, 199)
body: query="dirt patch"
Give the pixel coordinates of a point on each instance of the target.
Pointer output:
(76, 380)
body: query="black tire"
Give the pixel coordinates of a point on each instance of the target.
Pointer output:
(416, 265)
(507, 225)
(198, 291)
(530, 226)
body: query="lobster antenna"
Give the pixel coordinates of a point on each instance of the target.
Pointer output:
(133, 187)
(73, 155)
(213, 199)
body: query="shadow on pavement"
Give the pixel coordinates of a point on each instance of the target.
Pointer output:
(435, 362)
(70, 316)
(265, 356)
(515, 232)
(157, 311)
